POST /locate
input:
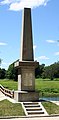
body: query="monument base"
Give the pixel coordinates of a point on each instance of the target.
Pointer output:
(24, 96)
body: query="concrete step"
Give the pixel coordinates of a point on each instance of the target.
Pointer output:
(31, 105)
(35, 115)
(33, 109)
(34, 112)
(28, 103)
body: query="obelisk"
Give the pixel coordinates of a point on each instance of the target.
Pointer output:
(26, 65)
(26, 38)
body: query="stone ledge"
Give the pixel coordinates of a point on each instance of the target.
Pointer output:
(25, 96)
(25, 63)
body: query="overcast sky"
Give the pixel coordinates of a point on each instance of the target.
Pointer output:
(45, 26)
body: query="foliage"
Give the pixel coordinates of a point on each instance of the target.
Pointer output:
(11, 73)
(10, 109)
(2, 73)
(50, 72)
(39, 70)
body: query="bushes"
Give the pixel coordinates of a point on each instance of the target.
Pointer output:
(11, 73)
(50, 72)
(2, 73)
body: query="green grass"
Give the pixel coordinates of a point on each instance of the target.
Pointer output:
(9, 84)
(10, 109)
(47, 87)
(51, 108)
(42, 84)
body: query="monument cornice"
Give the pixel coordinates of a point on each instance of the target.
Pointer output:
(19, 64)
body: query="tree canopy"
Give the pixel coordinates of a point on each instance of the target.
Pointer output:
(51, 71)
(11, 73)
(41, 71)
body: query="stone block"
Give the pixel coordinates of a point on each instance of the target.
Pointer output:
(24, 96)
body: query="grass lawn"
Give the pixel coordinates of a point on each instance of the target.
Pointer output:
(51, 108)
(10, 109)
(45, 86)
(9, 84)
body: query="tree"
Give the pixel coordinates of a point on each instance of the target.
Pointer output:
(51, 71)
(11, 73)
(2, 73)
(39, 70)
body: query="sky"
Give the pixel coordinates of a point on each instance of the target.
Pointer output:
(45, 29)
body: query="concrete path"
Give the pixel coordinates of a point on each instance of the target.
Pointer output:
(35, 118)
(55, 102)
(3, 97)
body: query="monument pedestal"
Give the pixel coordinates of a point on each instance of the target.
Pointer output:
(26, 75)
(24, 96)
(26, 81)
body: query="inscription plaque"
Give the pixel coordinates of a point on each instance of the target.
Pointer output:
(28, 78)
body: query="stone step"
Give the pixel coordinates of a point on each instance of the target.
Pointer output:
(27, 103)
(33, 108)
(35, 112)
(32, 105)
(35, 115)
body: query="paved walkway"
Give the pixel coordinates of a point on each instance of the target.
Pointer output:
(3, 97)
(35, 118)
(56, 102)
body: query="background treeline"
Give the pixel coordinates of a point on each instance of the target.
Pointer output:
(41, 71)
(2, 73)
(11, 73)
(50, 72)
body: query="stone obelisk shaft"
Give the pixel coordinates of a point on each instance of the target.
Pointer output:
(26, 37)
